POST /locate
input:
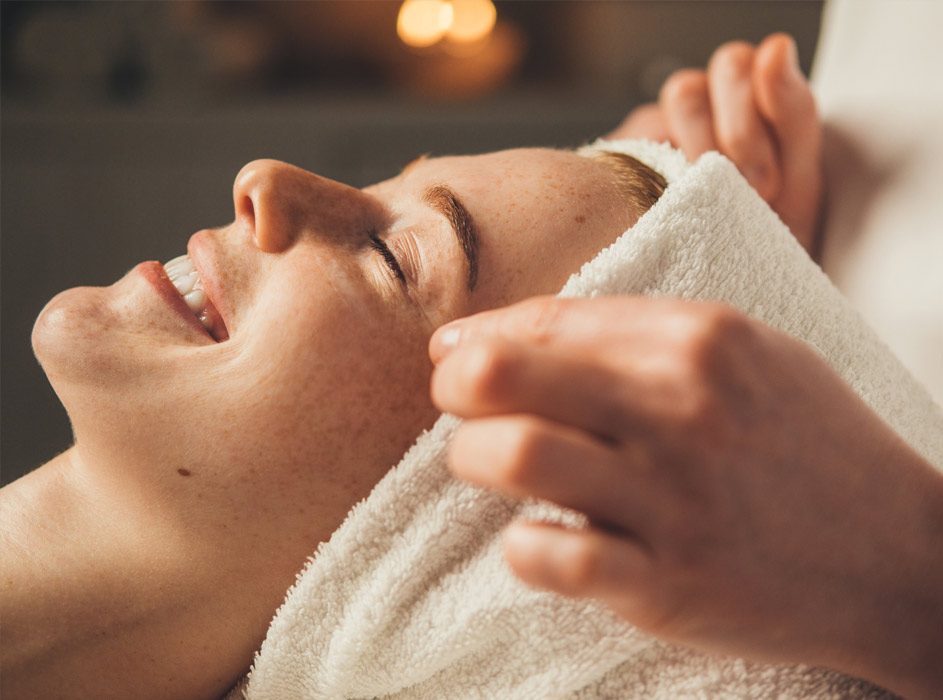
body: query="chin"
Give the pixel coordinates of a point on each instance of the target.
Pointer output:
(67, 328)
(87, 357)
(105, 335)
(64, 342)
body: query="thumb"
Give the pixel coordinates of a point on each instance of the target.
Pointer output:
(549, 320)
(535, 313)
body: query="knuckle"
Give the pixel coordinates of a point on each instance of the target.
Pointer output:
(699, 407)
(463, 453)
(713, 328)
(710, 331)
(540, 318)
(489, 369)
(522, 455)
(717, 355)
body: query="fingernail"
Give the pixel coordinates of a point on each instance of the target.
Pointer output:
(444, 340)
(449, 336)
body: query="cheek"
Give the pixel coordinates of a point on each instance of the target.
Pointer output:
(337, 385)
(306, 421)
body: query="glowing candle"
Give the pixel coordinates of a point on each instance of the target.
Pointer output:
(472, 20)
(424, 22)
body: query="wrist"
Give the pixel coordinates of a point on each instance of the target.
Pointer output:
(901, 642)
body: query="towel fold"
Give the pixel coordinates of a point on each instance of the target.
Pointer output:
(411, 599)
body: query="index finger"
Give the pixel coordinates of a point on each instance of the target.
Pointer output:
(549, 320)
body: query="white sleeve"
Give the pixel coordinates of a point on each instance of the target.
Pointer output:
(878, 78)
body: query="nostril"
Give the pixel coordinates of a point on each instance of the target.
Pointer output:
(245, 215)
(245, 209)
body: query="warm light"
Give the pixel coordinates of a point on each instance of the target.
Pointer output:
(424, 22)
(473, 20)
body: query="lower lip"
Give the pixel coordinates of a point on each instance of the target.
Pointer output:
(155, 275)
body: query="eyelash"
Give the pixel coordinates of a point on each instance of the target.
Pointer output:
(383, 249)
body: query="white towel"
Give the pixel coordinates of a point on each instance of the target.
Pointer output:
(411, 598)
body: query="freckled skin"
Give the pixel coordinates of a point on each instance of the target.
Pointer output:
(226, 464)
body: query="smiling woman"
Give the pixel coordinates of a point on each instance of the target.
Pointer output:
(230, 407)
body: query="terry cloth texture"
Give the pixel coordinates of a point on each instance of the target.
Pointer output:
(411, 599)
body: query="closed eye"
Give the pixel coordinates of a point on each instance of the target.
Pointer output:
(383, 249)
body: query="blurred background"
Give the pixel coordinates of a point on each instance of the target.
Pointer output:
(123, 124)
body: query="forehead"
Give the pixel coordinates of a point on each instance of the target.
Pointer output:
(522, 166)
(541, 213)
(536, 171)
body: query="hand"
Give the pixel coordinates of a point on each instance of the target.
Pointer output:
(755, 107)
(742, 498)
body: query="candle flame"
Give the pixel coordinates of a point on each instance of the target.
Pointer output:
(423, 23)
(473, 20)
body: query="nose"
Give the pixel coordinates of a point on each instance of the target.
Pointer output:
(281, 203)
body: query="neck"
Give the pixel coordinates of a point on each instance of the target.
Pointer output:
(102, 597)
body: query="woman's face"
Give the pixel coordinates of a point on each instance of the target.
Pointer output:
(328, 295)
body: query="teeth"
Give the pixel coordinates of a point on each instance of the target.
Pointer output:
(185, 283)
(196, 300)
(186, 279)
(179, 271)
(179, 263)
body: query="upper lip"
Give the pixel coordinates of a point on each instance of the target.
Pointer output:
(200, 250)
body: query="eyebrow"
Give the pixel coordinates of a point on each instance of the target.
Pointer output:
(444, 200)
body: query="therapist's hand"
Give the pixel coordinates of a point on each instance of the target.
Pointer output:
(754, 106)
(742, 498)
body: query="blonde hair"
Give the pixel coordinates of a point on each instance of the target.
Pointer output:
(638, 183)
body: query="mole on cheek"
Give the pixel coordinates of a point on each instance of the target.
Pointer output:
(580, 219)
(183, 472)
